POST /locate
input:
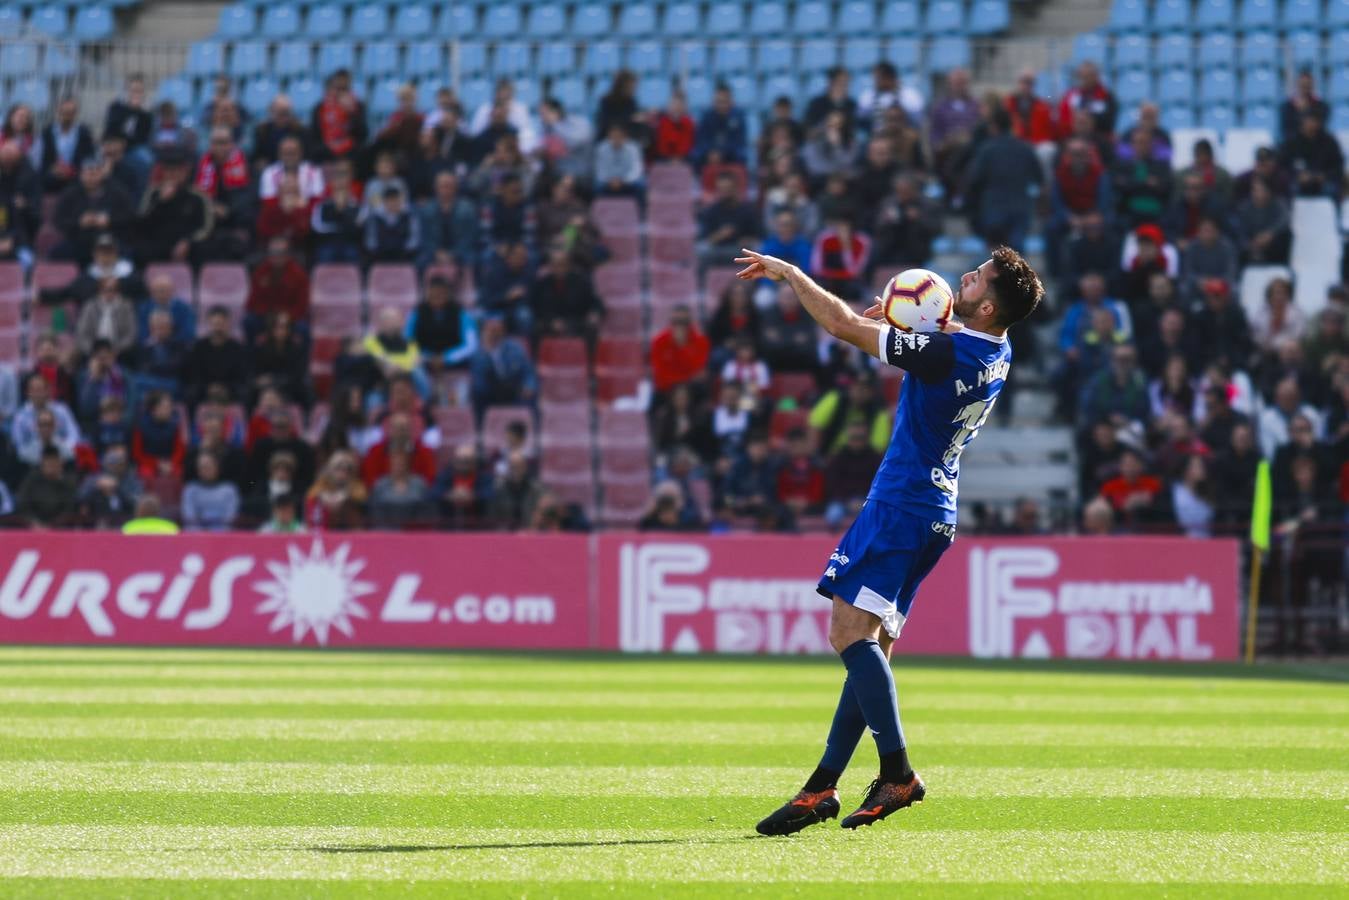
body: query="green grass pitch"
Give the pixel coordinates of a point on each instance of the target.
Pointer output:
(180, 773)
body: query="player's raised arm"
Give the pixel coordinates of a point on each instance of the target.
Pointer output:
(834, 316)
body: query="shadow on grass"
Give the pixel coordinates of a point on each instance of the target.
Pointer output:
(515, 845)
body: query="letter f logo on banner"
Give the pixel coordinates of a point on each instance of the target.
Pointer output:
(645, 599)
(996, 601)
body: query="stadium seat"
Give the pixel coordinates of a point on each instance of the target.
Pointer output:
(502, 21)
(1170, 15)
(653, 92)
(1258, 14)
(818, 55)
(1218, 86)
(681, 20)
(177, 91)
(497, 419)
(1239, 146)
(944, 18)
(334, 55)
(511, 59)
(771, 18)
(571, 93)
(1177, 115)
(546, 22)
(1132, 51)
(617, 428)
(603, 59)
(690, 56)
(392, 284)
(561, 352)
(474, 92)
(1128, 15)
(1337, 15)
(637, 20)
(947, 53)
(645, 57)
(624, 504)
(11, 22)
(565, 456)
(1217, 116)
(773, 56)
(472, 58)
(413, 22)
(1261, 115)
(1259, 48)
(383, 98)
(1303, 13)
(279, 22)
(556, 58)
(424, 59)
(1216, 51)
(624, 464)
(459, 20)
(237, 21)
(324, 21)
(248, 59)
(369, 22)
(864, 53)
(1338, 49)
(1090, 47)
(257, 95)
(50, 20)
(1133, 87)
(204, 58)
(698, 92)
(988, 17)
(856, 17)
(1304, 47)
(380, 59)
(730, 57)
(900, 17)
(223, 284)
(1211, 15)
(782, 85)
(590, 21)
(1260, 86)
(1337, 89)
(1173, 51)
(338, 283)
(61, 61)
(305, 93)
(812, 17)
(292, 59)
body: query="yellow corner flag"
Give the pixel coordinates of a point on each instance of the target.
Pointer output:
(1260, 515)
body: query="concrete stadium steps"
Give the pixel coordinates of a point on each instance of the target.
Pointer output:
(1010, 461)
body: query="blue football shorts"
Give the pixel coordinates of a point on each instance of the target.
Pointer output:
(882, 559)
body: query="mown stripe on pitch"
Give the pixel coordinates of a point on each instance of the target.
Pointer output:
(641, 781)
(542, 855)
(652, 732)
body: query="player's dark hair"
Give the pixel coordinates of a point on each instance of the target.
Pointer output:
(1017, 287)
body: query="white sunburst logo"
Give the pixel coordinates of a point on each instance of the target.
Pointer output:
(314, 592)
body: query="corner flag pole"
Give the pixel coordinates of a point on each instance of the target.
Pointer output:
(1260, 516)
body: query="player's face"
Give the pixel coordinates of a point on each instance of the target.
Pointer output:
(974, 290)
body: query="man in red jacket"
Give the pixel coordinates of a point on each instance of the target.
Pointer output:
(278, 284)
(398, 437)
(1089, 94)
(678, 352)
(1032, 120)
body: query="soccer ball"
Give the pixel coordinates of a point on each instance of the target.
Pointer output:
(917, 300)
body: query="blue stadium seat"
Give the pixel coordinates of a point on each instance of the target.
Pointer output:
(1339, 48)
(546, 21)
(1258, 14)
(773, 56)
(1173, 51)
(1128, 15)
(1218, 86)
(689, 56)
(1304, 48)
(1337, 15)
(93, 23)
(783, 86)
(1339, 112)
(413, 22)
(900, 17)
(1303, 13)
(1090, 47)
(325, 21)
(1337, 88)
(1217, 116)
(61, 60)
(380, 59)
(51, 21)
(384, 97)
(818, 55)
(943, 18)
(237, 21)
(511, 59)
(603, 59)
(279, 22)
(856, 17)
(369, 22)
(1177, 115)
(989, 17)
(472, 59)
(248, 59)
(744, 91)
(681, 20)
(726, 18)
(474, 93)
(35, 93)
(636, 20)
(1133, 87)
(1261, 86)
(730, 56)
(905, 52)
(864, 52)
(1214, 15)
(426, 92)
(305, 93)
(1171, 15)
(257, 95)
(571, 93)
(653, 93)
(1216, 50)
(501, 21)
(812, 17)
(590, 22)
(528, 92)
(1175, 86)
(11, 22)
(205, 58)
(459, 20)
(1132, 51)
(645, 57)
(177, 91)
(1259, 48)
(425, 59)
(334, 55)
(770, 18)
(698, 91)
(556, 58)
(947, 53)
(1261, 115)
(292, 59)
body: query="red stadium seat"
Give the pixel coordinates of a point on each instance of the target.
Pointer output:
(623, 321)
(565, 461)
(624, 504)
(10, 347)
(581, 493)
(674, 284)
(11, 312)
(336, 319)
(623, 247)
(335, 283)
(786, 420)
(624, 462)
(455, 424)
(712, 171)
(567, 424)
(392, 284)
(617, 383)
(494, 423)
(673, 249)
(624, 353)
(622, 427)
(562, 353)
(564, 386)
(615, 215)
(671, 178)
(618, 279)
(671, 219)
(800, 386)
(223, 284)
(715, 280)
(11, 283)
(179, 273)
(48, 275)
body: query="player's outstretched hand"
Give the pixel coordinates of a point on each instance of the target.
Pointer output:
(758, 265)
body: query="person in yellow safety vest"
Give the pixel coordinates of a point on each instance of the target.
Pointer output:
(148, 519)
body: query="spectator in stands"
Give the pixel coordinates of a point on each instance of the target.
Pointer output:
(1077, 324)
(792, 195)
(735, 319)
(337, 221)
(400, 498)
(509, 216)
(999, 183)
(1279, 319)
(52, 363)
(1209, 255)
(722, 134)
(619, 106)
(1141, 185)
(213, 441)
(107, 265)
(444, 148)
(1148, 122)
(841, 258)
(517, 115)
(448, 226)
(848, 472)
(20, 127)
(504, 289)
(1277, 419)
(515, 496)
(392, 232)
(1079, 191)
(831, 149)
(841, 407)
(906, 225)
(99, 381)
(800, 480)
(1191, 206)
(445, 334)
(1268, 170)
(163, 297)
(1173, 391)
(278, 358)
(950, 126)
(1092, 95)
(20, 188)
(565, 140)
(681, 421)
(562, 299)
(336, 502)
(836, 98)
(15, 239)
(564, 219)
(402, 131)
(1302, 102)
(28, 441)
(278, 284)
(223, 177)
(280, 440)
(679, 353)
(663, 511)
(1150, 254)
(223, 106)
(1218, 419)
(47, 496)
(63, 147)
(872, 179)
(788, 337)
(109, 316)
(1192, 499)
(209, 503)
(88, 209)
(674, 133)
(108, 496)
(287, 215)
(726, 224)
(217, 358)
(749, 487)
(339, 119)
(272, 132)
(159, 357)
(787, 242)
(747, 370)
(886, 92)
(1031, 118)
(171, 133)
(175, 218)
(282, 518)
(1328, 340)
(399, 439)
(501, 373)
(1220, 323)
(504, 160)
(1117, 393)
(1315, 158)
(1134, 495)
(393, 351)
(618, 165)
(157, 443)
(1262, 227)
(123, 171)
(463, 489)
(290, 161)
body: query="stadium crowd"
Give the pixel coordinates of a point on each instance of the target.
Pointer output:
(1175, 394)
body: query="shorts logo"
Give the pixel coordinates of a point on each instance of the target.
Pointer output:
(945, 528)
(831, 572)
(839, 558)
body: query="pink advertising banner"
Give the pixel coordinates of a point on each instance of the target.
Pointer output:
(1083, 598)
(356, 590)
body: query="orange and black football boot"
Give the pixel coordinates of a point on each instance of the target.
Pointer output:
(802, 811)
(885, 797)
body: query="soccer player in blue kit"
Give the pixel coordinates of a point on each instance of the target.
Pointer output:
(909, 517)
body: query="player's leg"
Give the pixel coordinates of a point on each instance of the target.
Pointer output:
(855, 635)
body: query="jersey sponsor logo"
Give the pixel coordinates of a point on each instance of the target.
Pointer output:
(1079, 619)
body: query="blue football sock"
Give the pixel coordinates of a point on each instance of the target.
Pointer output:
(874, 685)
(849, 723)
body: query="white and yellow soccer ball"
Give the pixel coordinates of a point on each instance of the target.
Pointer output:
(917, 300)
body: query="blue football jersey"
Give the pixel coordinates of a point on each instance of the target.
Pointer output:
(952, 383)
